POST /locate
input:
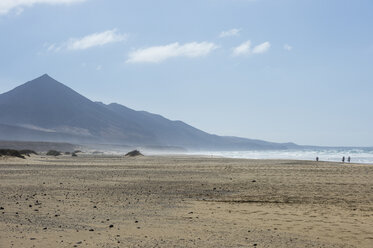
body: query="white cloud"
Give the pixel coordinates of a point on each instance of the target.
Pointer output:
(157, 54)
(96, 39)
(7, 5)
(19, 11)
(287, 47)
(89, 41)
(262, 48)
(232, 32)
(243, 49)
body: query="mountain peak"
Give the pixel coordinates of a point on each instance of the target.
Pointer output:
(43, 89)
(45, 75)
(43, 79)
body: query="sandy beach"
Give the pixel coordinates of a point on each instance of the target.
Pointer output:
(161, 201)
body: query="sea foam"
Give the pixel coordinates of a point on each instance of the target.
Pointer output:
(335, 155)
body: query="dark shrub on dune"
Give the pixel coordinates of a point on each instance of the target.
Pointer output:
(74, 155)
(27, 152)
(53, 153)
(11, 153)
(134, 153)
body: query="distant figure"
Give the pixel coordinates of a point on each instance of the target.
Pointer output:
(349, 159)
(317, 159)
(343, 159)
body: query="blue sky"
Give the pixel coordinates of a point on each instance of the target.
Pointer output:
(278, 70)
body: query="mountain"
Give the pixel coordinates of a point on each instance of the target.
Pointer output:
(45, 110)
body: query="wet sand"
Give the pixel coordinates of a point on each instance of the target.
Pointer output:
(107, 201)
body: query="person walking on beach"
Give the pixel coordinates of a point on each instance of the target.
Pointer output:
(349, 159)
(343, 159)
(317, 159)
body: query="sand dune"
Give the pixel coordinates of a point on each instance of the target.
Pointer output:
(107, 201)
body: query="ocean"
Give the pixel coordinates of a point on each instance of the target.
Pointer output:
(335, 155)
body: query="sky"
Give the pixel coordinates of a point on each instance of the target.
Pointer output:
(279, 70)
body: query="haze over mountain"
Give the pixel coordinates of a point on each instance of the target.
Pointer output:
(45, 110)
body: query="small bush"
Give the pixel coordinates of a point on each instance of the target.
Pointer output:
(11, 153)
(77, 151)
(53, 153)
(74, 155)
(134, 153)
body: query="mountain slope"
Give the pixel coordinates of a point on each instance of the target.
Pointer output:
(46, 110)
(44, 104)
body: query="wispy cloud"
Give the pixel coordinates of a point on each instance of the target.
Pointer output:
(232, 32)
(287, 47)
(157, 54)
(245, 48)
(262, 48)
(89, 41)
(7, 5)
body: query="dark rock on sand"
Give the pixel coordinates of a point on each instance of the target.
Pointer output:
(134, 153)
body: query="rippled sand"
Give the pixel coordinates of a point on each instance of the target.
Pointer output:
(107, 201)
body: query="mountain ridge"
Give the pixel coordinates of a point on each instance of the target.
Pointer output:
(44, 109)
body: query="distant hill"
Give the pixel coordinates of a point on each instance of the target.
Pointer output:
(46, 110)
(38, 146)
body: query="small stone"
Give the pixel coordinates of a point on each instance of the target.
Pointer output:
(111, 226)
(91, 230)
